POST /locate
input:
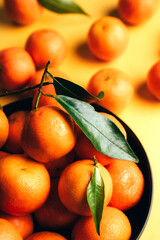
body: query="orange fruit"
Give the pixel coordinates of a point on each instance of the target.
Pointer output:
(44, 45)
(85, 149)
(114, 225)
(53, 214)
(20, 12)
(153, 80)
(137, 11)
(49, 133)
(24, 184)
(4, 128)
(73, 184)
(8, 231)
(107, 38)
(16, 68)
(117, 87)
(24, 224)
(46, 236)
(56, 166)
(128, 184)
(16, 123)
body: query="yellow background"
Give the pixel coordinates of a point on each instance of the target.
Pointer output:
(143, 114)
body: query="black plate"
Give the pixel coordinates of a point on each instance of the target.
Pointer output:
(138, 215)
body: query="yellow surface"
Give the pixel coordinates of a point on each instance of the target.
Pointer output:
(143, 114)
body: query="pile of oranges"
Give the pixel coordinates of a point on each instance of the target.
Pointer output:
(46, 161)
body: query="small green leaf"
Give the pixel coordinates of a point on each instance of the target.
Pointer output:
(95, 197)
(102, 132)
(70, 89)
(62, 6)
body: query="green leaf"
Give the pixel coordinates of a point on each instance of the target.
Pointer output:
(95, 197)
(70, 89)
(102, 132)
(62, 6)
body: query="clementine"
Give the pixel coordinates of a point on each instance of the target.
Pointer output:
(24, 224)
(49, 133)
(107, 38)
(117, 87)
(46, 236)
(53, 214)
(153, 80)
(73, 184)
(114, 225)
(128, 184)
(4, 128)
(16, 123)
(16, 68)
(24, 184)
(44, 45)
(8, 231)
(20, 12)
(137, 11)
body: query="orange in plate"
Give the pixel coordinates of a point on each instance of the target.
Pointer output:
(24, 184)
(49, 133)
(24, 224)
(4, 128)
(46, 236)
(8, 231)
(16, 123)
(114, 225)
(153, 80)
(53, 214)
(73, 184)
(128, 184)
